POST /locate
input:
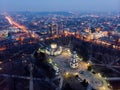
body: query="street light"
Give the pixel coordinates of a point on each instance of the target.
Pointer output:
(99, 74)
(105, 78)
(88, 64)
(0, 68)
(67, 74)
(68, 50)
(0, 62)
(75, 74)
(103, 88)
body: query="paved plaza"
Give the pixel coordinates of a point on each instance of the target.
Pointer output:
(95, 80)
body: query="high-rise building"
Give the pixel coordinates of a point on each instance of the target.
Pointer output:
(118, 28)
(53, 29)
(49, 27)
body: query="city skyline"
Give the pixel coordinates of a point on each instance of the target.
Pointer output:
(68, 46)
(60, 5)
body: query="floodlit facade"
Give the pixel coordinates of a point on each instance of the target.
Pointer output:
(74, 60)
(53, 50)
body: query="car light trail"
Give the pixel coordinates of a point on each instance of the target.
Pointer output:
(23, 28)
(10, 20)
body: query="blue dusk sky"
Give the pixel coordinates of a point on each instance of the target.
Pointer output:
(59, 5)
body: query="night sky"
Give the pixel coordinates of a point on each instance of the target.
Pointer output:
(59, 5)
